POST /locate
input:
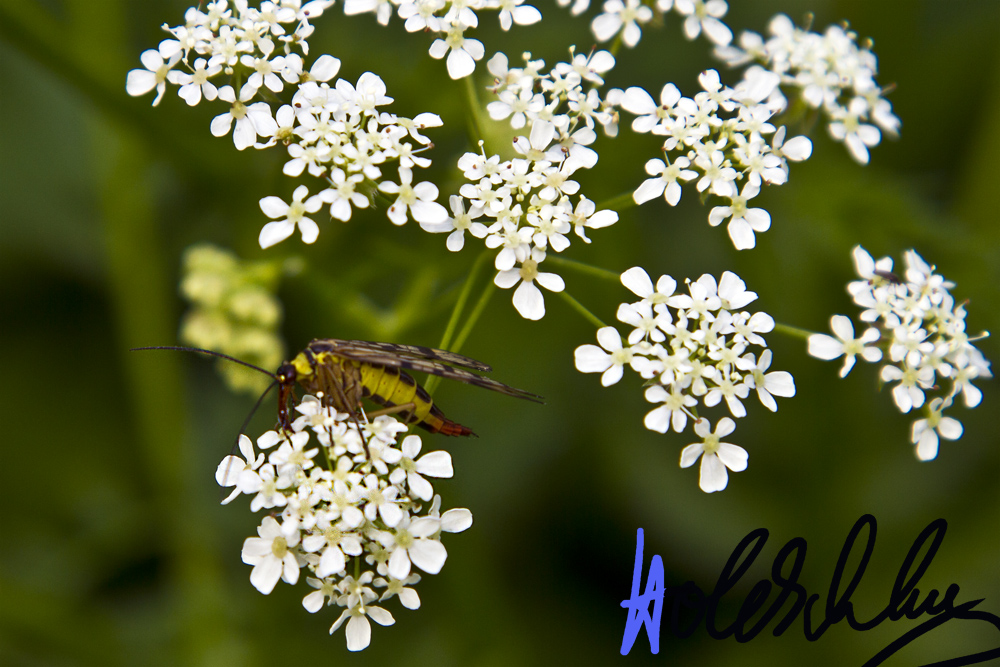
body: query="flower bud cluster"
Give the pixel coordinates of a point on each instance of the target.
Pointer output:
(692, 348)
(332, 130)
(524, 206)
(234, 310)
(829, 72)
(720, 138)
(352, 505)
(916, 325)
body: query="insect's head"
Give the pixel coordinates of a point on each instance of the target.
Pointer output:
(286, 374)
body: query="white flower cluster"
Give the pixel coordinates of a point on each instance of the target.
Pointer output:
(234, 310)
(523, 206)
(356, 511)
(451, 19)
(332, 130)
(336, 133)
(916, 324)
(700, 16)
(692, 347)
(829, 72)
(234, 40)
(719, 138)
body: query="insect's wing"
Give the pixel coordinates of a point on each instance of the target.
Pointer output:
(423, 360)
(413, 352)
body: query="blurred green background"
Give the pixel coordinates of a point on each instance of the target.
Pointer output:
(115, 549)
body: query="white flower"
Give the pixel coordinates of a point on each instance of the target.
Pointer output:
(744, 221)
(412, 542)
(528, 298)
(592, 359)
(336, 543)
(715, 455)
(271, 486)
(292, 456)
(291, 215)
(141, 81)
(778, 383)
(638, 282)
(326, 592)
(827, 348)
(586, 215)
(196, 84)
(359, 630)
(410, 468)
(673, 412)
(664, 181)
(512, 11)
(856, 135)
(618, 15)
(251, 121)
(343, 195)
(704, 16)
(272, 555)
(733, 293)
(240, 472)
(908, 394)
(926, 431)
(418, 199)
(464, 52)
(381, 501)
(395, 587)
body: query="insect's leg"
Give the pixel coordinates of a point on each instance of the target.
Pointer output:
(393, 409)
(361, 431)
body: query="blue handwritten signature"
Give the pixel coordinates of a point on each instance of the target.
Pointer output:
(904, 600)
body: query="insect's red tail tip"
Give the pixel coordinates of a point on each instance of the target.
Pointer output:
(452, 428)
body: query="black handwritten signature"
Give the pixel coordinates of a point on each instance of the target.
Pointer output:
(904, 600)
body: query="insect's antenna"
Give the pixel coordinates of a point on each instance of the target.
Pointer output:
(214, 354)
(246, 422)
(257, 405)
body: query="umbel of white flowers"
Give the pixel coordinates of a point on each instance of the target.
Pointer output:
(334, 130)
(916, 326)
(357, 512)
(692, 348)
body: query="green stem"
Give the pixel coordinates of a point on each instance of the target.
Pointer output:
(795, 332)
(616, 45)
(619, 203)
(470, 323)
(463, 297)
(580, 308)
(476, 111)
(480, 306)
(584, 268)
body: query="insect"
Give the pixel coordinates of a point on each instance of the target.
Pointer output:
(887, 276)
(344, 372)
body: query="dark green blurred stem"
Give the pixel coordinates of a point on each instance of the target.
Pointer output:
(620, 203)
(794, 332)
(140, 285)
(587, 269)
(580, 308)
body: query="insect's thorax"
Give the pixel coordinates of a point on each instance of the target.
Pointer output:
(336, 379)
